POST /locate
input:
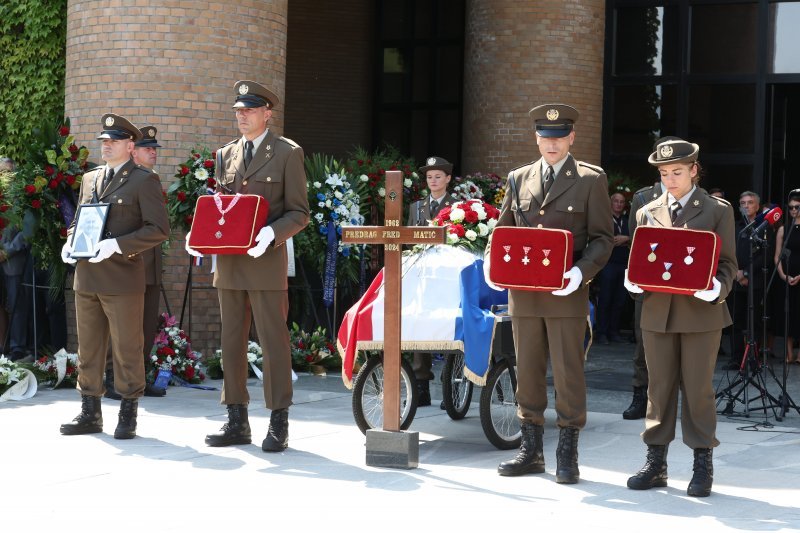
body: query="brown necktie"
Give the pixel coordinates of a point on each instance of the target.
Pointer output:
(548, 179)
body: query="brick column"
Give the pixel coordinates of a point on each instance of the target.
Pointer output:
(172, 63)
(522, 54)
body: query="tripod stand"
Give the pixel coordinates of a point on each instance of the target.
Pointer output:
(751, 368)
(785, 401)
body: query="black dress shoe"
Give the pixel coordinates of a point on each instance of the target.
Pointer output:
(153, 391)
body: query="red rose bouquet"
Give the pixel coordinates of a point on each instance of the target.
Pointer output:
(468, 223)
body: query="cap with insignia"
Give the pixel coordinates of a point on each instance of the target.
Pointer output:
(665, 139)
(117, 128)
(674, 152)
(252, 94)
(554, 120)
(437, 163)
(148, 139)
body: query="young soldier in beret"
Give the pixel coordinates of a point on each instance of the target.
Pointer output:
(254, 286)
(681, 333)
(555, 192)
(109, 287)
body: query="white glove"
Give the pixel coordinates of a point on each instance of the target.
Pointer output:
(575, 276)
(486, 275)
(105, 249)
(632, 287)
(190, 251)
(264, 238)
(711, 294)
(66, 251)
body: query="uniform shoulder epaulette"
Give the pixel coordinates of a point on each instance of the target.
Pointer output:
(597, 169)
(522, 166)
(644, 189)
(289, 142)
(230, 143)
(720, 201)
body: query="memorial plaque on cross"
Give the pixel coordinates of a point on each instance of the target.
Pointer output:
(392, 235)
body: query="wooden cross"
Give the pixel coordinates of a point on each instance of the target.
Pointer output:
(393, 235)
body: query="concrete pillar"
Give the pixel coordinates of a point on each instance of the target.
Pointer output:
(522, 54)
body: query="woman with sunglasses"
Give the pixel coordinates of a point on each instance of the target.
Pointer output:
(789, 271)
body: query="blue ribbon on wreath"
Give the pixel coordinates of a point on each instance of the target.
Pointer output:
(329, 278)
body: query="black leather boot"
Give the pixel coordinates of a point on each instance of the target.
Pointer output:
(654, 472)
(90, 419)
(424, 390)
(638, 407)
(277, 438)
(153, 391)
(530, 458)
(111, 393)
(235, 431)
(126, 427)
(567, 456)
(703, 478)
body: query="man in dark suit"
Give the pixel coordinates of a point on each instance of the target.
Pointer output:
(555, 192)
(109, 287)
(254, 286)
(438, 173)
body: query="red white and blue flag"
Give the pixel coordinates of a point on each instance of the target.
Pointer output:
(446, 305)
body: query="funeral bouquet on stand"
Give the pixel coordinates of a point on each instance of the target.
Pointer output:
(194, 178)
(59, 369)
(313, 351)
(16, 382)
(172, 353)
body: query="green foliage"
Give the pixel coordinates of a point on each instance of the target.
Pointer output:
(32, 67)
(622, 183)
(369, 171)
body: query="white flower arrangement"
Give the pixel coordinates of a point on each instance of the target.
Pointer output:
(467, 190)
(337, 202)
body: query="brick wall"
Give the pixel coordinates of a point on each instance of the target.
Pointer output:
(172, 63)
(522, 54)
(329, 75)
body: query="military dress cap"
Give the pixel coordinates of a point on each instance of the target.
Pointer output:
(252, 94)
(665, 139)
(148, 139)
(117, 128)
(437, 163)
(554, 120)
(673, 152)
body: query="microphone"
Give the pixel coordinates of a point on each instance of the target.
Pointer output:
(771, 218)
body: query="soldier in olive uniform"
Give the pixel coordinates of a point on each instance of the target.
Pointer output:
(109, 287)
(681, 332)
(145, 154)
(638, 406)
(254, 286)
(438, 173)
(555, 192)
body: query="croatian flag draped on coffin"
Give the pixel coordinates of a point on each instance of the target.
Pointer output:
(446, 306)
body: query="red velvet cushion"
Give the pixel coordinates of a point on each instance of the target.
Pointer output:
(237, 234)
(673, 246)
(549, 253)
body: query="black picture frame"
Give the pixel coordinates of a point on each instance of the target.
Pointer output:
(90, 223)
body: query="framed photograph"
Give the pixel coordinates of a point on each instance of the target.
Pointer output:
(90, 221)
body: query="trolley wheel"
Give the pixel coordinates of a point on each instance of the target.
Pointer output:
(498, 408)
(368, 395)
(456, 388)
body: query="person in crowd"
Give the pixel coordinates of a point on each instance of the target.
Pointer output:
(788, 265)
(738, 304)
(15, 312)
(145, 154)
(638, 406)
(612, 297)
(556, 191)
(681, 333)
(716, 191)
(438, 173)
(109, 287)
(254, 286)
